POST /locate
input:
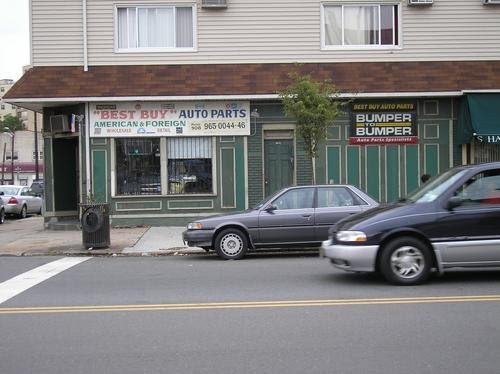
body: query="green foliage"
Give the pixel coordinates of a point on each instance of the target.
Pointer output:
(11, 123)
(314, 106)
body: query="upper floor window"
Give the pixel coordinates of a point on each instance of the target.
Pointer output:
(360, 25)
(166, 27)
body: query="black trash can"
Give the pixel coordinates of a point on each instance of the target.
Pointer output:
(95, 225)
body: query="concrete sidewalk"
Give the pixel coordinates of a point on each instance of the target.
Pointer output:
(28, 237)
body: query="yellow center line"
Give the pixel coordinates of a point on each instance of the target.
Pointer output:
(250, 304)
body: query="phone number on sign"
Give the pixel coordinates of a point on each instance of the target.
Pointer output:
(219, 125)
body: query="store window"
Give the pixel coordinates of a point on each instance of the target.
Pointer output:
(360, 25)
(189, 165)
(166, 27)
(138, 168)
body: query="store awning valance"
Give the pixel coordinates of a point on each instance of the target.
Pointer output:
(480, 117)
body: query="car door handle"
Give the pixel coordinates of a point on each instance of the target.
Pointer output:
(306, 215)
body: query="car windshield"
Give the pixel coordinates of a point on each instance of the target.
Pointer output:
(9, 190)
(431, 190)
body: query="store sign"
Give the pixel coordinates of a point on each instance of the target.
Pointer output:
(488, 138)
(150, 119)
(383, 123)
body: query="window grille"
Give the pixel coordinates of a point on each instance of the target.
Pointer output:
(138, 169)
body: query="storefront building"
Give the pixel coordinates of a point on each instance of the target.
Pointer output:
(168, 133)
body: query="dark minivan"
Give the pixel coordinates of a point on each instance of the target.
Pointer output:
(452, 221)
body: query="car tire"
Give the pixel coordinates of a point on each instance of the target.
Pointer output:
(24, 212)
(2, 216)
(406, 261)
(231, 244)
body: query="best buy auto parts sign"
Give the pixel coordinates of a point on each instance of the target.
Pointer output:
(146, 119)
(377, 122)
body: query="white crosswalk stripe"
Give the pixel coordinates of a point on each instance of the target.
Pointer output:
(24, 281)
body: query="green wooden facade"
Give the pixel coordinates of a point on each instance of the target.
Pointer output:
(273, 154)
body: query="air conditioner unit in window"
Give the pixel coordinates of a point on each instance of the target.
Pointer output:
(214, 3)
(420, 2)
(59, 123)
(491, 2)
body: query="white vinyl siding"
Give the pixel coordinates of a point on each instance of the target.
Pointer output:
(57, 37)
(270, 31)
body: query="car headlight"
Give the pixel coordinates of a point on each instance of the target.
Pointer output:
(351, 236)
(194, 226)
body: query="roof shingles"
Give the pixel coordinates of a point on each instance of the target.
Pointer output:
(251, 79)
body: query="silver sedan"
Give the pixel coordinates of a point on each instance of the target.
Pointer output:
(20, 201)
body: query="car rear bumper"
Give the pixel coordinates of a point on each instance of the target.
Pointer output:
(350, 257)
(11, 209)
(198, 238)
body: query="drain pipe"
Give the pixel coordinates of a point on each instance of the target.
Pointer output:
(85, 50)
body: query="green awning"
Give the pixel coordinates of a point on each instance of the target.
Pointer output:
(479, 116)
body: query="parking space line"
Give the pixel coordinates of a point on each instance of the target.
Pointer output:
(24, 281)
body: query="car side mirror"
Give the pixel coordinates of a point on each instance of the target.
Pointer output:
(271, 208)
(2, 193)
(454, 202)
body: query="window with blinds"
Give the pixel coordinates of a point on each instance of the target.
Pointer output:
(189, 165)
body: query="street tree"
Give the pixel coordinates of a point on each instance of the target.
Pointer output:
(11, 123)
(314, 106)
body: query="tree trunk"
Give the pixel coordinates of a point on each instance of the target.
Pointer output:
(313, 163)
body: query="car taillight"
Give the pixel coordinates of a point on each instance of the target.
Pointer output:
(12, 200)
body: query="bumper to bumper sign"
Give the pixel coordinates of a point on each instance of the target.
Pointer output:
(351, 257)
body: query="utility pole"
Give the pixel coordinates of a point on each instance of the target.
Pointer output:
(11, 134)
(3, 162)
(36, 149)
(12, 158)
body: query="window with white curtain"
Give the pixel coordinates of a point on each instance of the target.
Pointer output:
(360, 25)
(189, 165)
(168, 27)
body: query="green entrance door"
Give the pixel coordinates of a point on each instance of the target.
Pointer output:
(279, 164)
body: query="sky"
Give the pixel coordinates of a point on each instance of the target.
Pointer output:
(14, 38)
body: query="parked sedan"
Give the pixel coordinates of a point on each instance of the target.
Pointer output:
(20, 201)
(293, 217)
(451, 221)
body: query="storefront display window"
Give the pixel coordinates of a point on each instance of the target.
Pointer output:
(138, 168)
(189, 165)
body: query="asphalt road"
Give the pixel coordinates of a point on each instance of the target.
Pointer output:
(264, 314)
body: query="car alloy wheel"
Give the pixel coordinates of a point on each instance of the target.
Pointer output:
(406, 261)
(24, 212)
(231, 244)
